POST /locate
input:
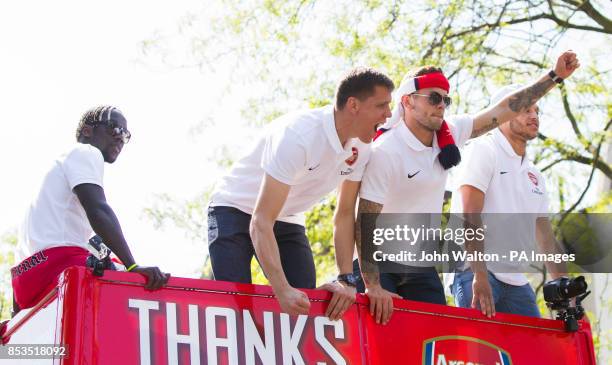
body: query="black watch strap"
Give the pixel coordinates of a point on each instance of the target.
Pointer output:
(348, 279)
(555, 77)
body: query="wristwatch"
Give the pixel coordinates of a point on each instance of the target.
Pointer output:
(555, 77)
(348, 279)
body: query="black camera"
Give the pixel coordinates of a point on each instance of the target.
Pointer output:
(564, 289)
(558, 294)
(99, 259)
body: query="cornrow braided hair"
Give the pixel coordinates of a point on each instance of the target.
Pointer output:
(96, 115)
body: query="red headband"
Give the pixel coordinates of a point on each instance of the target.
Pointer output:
(436, 79)
(449, 155)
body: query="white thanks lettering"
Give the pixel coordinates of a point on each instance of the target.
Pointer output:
(248, 345)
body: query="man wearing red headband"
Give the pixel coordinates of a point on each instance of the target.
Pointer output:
(408, 168)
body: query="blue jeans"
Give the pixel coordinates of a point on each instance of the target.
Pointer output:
(424, 286)
(507, 298)
(231, 249)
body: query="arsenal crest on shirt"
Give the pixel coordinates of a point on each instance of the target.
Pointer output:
(533, 178)
(351, 160)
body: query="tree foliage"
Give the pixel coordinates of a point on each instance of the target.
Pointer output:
(8, 241)
(294, 51)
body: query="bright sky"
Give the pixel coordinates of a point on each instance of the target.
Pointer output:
(61, 57)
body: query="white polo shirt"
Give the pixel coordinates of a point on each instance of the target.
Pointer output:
(512, 184)
(299, 149)
(56, 217)
(404, 175)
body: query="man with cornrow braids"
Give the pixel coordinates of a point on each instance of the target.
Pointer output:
(408, 168)
(69, 207)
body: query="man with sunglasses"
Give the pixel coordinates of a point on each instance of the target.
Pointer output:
(69, 207)
(408, 169)
(497, 177)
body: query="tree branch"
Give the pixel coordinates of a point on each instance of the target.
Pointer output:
(394, 15)
(588, 185)
(573, 155)
(523, 61)
(571, 116)
(552, 164)
(587, 8)
(499, 23)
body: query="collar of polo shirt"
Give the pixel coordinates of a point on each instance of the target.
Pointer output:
(332, 133)
(413, 142)
(505, 144)
(334, 140)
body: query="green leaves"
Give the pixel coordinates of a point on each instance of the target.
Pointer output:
(294, 51)
(8, 242)
(319, 230)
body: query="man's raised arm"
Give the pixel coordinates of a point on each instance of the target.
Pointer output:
(524, 98)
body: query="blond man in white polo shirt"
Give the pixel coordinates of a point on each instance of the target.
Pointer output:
(258, 206)
(407, 172)
(498, 177)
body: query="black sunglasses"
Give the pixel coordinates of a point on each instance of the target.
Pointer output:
(116, 130)
(436, 98)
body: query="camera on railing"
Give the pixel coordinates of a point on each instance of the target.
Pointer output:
(559, 294)
(99, 258)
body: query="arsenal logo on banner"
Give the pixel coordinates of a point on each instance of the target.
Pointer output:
(351, 160)
(533, 178)
(448, 350)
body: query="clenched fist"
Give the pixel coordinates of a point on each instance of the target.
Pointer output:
(567, 63)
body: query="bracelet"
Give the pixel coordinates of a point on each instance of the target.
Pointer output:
(555, 77)
(132, 267)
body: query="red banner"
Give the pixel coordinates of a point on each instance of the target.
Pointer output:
(114, 320)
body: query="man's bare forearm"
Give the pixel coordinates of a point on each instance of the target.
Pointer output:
(523, 99)
(344, 240)
(266, 247)
(105, 223)
(485, 127)
(554, 269)
(474, 246)
(369, 270)
(511, 106)
(548, 244)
